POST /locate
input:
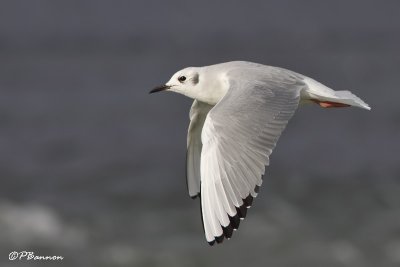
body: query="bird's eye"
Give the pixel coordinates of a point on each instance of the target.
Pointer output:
(181, 78)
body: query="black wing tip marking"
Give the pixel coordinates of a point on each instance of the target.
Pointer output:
(234, 221)
(248, 200)
(228, 231)
(195, 196)
(219, 239)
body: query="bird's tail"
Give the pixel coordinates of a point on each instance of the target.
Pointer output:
(328, 98)
(341, 99)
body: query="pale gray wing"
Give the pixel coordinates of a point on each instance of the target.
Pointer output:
(197, 115)
(238, 137)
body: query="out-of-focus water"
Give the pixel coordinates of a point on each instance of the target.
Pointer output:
(92, 167)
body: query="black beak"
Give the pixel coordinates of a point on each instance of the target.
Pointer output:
(160, 88)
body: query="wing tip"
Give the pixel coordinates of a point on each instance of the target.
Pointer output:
(194, 196)
(234, 221)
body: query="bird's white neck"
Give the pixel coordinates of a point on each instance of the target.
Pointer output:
(210, 90)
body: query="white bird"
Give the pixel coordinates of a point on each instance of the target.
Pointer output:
(239, 111)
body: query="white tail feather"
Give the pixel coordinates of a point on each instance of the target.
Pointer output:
(347, 97)
(318, 91)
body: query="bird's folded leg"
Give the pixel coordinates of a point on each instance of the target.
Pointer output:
(329, 104)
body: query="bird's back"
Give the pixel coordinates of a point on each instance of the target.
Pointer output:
(311, 90)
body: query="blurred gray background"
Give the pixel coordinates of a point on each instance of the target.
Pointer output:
(93, 168)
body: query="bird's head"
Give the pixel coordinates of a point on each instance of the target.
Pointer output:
(185, 82)
(198, 83)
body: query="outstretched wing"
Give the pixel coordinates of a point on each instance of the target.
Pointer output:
(197, 115)
(238, 137)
